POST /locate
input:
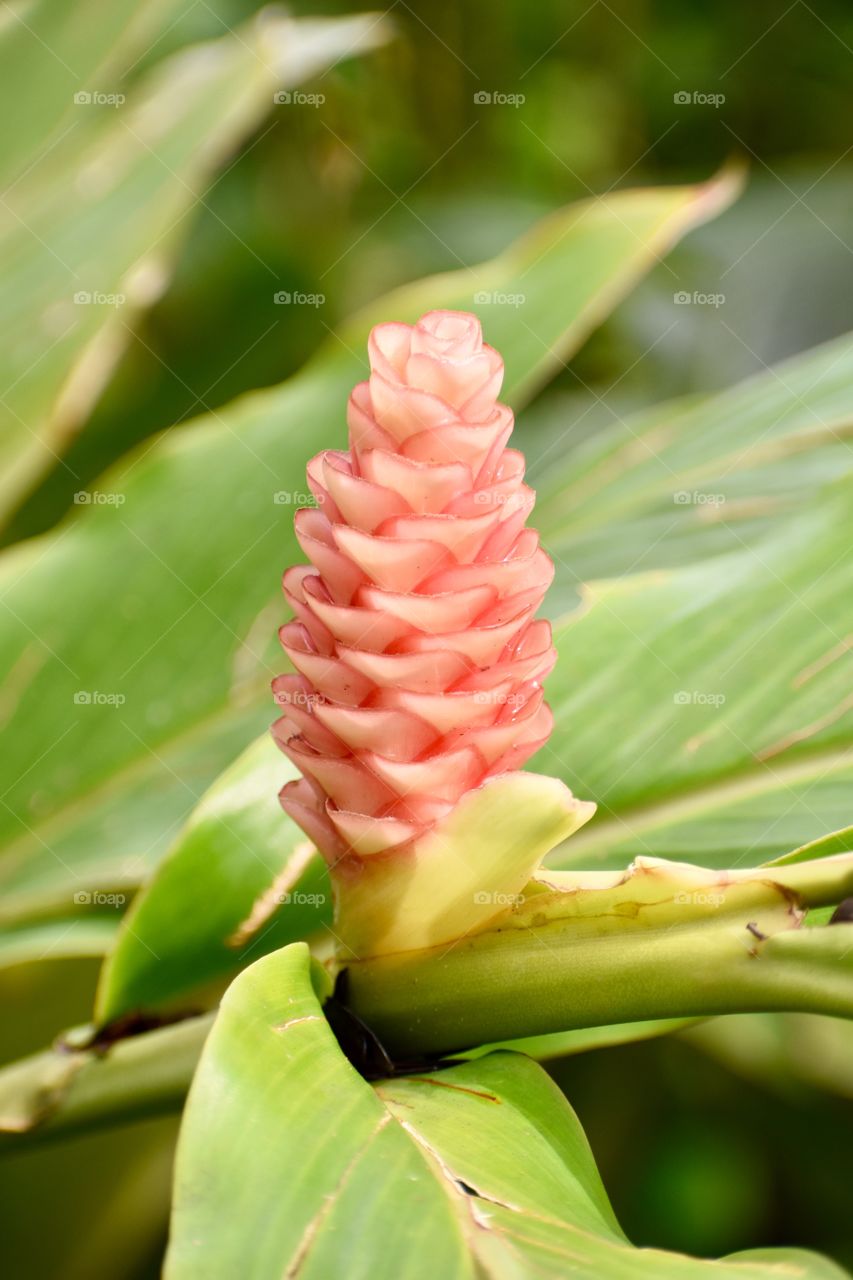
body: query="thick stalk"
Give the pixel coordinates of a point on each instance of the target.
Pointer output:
(506, 986)
(665, 941)
(585, 959)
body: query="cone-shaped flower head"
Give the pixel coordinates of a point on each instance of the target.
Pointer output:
(419, 663)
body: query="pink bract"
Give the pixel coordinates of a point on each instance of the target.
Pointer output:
(418, 660)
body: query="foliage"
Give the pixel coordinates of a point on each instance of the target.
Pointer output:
(701, 694)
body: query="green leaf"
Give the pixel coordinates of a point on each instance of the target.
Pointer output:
(90, 233)
(825, 847)
(58, 939)
(240, 880)
(561, 1044)
(63, 48)
(786, 1050)
(240, 1209)
(192, 600)
(111, 841)
(501, 1128)
(707, 710)
(683, 481)
(479, 1170)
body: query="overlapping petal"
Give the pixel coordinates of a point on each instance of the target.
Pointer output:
(418, 659)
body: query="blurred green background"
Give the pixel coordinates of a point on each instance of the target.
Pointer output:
(401, 172)
(711, 1141)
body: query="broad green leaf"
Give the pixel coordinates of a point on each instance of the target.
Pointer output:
(501, 1129)
(684, 481)
(825, 847)
(88, 235)
(311, 1164)
(191, 600)
(115, 837)
(707, 710)
(238, 882)
(58, 939)
(783, 1050)
(63, 49)
(481, 1169)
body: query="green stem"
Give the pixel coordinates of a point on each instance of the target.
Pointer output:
(60, 1092)
(508, 985)
(662, 944)
(594, 956)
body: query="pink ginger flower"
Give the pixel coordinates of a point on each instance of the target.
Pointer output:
(419, 661)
